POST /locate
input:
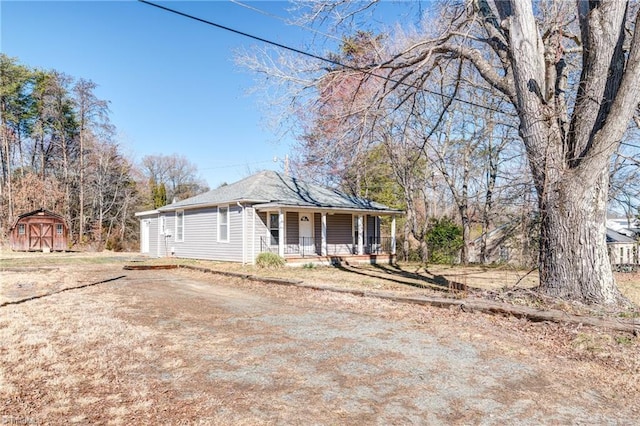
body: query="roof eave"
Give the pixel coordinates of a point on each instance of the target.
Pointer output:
(146, 213)
(169, 208)
(271, 206)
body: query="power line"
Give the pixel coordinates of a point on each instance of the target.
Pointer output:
(285, 20)
(312, 55)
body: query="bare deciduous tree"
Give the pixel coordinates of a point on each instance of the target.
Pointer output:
(572, 75)
(176, 173)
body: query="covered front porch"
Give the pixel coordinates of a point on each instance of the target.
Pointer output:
(327, 236)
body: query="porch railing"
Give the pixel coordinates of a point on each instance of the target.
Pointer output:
(307, 246)
(378, 245)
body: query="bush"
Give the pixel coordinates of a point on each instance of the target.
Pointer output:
(269, 260)
(444, 240)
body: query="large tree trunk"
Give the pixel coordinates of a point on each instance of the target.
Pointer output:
(574, 263)
(570, 169)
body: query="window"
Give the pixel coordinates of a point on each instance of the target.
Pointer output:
(274, 227)
(58, 229)
(223, 224)
(21, 229)
(180, 225)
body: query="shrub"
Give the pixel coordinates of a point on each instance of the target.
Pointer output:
(444, 240)
(269, 260)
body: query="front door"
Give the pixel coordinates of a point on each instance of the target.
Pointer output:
(307, 246)
(144, 237)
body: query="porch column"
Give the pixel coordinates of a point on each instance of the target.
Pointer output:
(323, 236)
(281, 233)
(360, 235)
(393, 235)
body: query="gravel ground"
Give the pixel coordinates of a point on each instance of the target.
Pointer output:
(181, 347)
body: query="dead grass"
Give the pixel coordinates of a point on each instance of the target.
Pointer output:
(410, 277)
(136, 352)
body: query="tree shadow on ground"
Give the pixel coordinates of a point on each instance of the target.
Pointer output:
(398, 275)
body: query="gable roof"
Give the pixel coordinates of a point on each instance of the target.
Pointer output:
(40, 212)
(616, 237)
(269, 189)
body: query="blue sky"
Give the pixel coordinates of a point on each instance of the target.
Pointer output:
(171, 81)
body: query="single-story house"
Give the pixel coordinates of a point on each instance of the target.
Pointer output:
(623, 249)
(269, 211)
(39, 230)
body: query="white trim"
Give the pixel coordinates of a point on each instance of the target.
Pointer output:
(146, 213)
(244, 232)
(218, 222)
(393, 235)
(360, 222)
(162, 225)
(179, 238)
(271, 206)
(253, 235)
(323, 231)
(281, 232)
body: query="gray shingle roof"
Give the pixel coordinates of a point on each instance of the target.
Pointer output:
(616, 237)
(269, 188)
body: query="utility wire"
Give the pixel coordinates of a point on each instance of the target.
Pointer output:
(285, 20)
(312, 55)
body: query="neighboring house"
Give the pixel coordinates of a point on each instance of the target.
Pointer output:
(505, 244)
(269, 211)
(625, 226)
(39, 230)
(623, 250)
(623, 243)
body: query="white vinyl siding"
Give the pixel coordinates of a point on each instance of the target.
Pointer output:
(200, 239)
(223, 224)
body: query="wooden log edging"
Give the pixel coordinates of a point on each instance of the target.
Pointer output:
(272, 280)
(148, 267)
(466, 305)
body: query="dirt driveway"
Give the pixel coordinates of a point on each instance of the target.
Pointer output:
(186, 348)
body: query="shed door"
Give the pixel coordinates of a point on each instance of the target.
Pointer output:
(40, 236)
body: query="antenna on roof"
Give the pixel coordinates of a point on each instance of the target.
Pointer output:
(286, 163)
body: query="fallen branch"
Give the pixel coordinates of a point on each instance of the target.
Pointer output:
(40, 296)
